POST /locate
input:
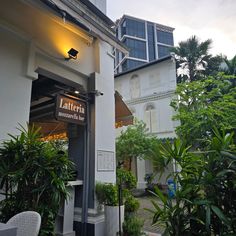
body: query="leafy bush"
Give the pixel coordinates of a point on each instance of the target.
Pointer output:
(133, 143)
(204, 104)
(107, 194)
(126, 179)
(205, 200)
(131, 205)
(132, 226)
(34, 175)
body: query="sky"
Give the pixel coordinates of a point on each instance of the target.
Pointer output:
(214, 19)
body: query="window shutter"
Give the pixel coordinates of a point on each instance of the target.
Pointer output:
(153, 120)
(147, 119)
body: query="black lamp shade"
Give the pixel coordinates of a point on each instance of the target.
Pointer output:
(72, 53)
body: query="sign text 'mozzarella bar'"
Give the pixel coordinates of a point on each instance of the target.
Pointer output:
(70, 110)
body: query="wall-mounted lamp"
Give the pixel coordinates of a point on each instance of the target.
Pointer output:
(72, 54)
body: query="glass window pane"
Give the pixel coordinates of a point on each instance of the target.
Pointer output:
(165, 37)
(130, 64)
(137, 48)
(151, 42)
(135, 28)
(163, 51)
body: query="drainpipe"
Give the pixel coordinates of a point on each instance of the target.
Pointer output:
(84, 218)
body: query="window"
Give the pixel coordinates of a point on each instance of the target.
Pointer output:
(123, 28)
(165, 37)
(134, 87)
(150, 118)
(151, 42)
(130, 64)
(163, 51)
(135, 28)
(137, 48)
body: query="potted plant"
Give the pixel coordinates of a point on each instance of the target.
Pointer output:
(107, 195)
(132, 226)
(131, 205)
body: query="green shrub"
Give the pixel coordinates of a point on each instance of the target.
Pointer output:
(126, 179)
(107, 194)
(132, 226)
(34, 175)
(205, 200)
(131, 205)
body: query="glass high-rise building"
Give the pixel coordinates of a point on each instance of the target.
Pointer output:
(147, 41)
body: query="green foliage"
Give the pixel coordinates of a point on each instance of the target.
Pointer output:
(204, 104)
(134, 142)
(214, 65)
(131, 205)
(60, 144)
(158, 161)
(34, 176)
(205, 199)
(231, 66)
(149, 178)
(126, 179)
(132, 226)
(107, 194)
(192, 56)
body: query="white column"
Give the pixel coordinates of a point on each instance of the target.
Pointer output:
(141, 171)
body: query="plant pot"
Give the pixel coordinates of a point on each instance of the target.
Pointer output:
(112, 219)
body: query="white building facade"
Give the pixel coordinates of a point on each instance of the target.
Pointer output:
(148, 91)
(35, 36)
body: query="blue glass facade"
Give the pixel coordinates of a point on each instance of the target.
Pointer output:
(145, 41)
(130, 64)
(133, 28)
(165, 37)
(137, 48)
(163, 51)
(151, 41)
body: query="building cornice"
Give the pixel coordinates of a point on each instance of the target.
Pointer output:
(145, 65)
(150, 98)
(97, 25)
(84, 18)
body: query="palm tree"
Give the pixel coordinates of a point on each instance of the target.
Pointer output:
(192, 57)
(231, 66)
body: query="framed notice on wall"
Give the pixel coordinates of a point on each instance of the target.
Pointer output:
(105, 161)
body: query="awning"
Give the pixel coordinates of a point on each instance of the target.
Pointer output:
(122, 113)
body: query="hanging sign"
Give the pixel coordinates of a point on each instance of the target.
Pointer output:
(70, 110)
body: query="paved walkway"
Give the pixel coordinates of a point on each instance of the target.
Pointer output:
(145, 202)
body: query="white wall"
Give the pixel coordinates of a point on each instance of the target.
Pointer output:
(155, 85)
(15, 87)
(157, 78)
(105, 110)
(45, 46)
